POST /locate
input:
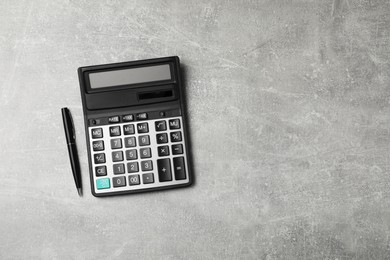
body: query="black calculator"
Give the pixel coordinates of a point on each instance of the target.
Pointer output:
(135, 126)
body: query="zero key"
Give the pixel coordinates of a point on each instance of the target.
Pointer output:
(119, 181)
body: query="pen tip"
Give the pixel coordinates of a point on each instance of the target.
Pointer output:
(80, 192)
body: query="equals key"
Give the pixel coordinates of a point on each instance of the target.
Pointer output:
(179, 168)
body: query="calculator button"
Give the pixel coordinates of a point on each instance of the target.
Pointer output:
(161, 125)
(142, 116)
(175, 136)
(117, 156)
(113, 119)
(130, 142)
(97, 133)
(146, 165)
(99, 158)
(179, 168)
(132, 167)
(177, 149)
(119, 168)
(128, 129)
(145, 153)
(115, 131)
(162, 138)
(163, 150)
(131, 154)
(134, 180)
(98, 145)
(101, 171)
(116, 143)
(103, 183)
(147, 178)
(144, 140)
(164, 170)
(174, 124)
(119, 181)
(142, 128)
(127, 118)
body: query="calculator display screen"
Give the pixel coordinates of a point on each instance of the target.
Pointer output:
(129, 76)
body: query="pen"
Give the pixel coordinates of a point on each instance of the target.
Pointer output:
(71, 141)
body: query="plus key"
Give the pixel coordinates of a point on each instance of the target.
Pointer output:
(164, 170)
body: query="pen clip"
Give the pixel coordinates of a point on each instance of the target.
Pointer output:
(73, 129)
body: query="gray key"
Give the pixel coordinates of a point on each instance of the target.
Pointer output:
(119, 181)
(147, 178)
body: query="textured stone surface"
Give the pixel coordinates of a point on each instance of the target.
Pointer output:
(289, 106)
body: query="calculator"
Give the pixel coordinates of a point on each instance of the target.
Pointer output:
(135, 126)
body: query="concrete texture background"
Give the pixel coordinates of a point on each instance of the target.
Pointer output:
(289, 108)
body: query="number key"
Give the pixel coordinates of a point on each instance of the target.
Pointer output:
(116, 143)
(145, 153)
(134, 180)
(119, 168)
(132, 167)
(119, 181)
(117, 156)
(130, 142)
(144, 140)
(146, 165)
(131, 154)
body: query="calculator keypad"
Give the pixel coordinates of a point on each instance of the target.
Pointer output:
(162, 138)
(101, 171)
(119, 168)
(177, 149)
(117, 156)
(115, 131)
(128, 155)
(128, 129)
(164, 169)
(97, 133)
(98, 145)
(134, 180)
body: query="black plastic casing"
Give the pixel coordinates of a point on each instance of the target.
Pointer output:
(120, 100)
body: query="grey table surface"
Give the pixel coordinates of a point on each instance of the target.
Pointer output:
(289, 114)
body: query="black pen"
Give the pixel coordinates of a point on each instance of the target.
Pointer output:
(71, 141)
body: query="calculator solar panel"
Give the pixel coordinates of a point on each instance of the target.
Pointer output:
(135, 126)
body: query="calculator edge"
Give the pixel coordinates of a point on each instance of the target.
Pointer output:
(80, 72)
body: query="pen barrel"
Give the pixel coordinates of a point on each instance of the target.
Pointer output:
(74, 161)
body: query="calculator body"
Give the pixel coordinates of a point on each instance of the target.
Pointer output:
(135, 126)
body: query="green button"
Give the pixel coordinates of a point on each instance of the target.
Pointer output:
(103, 183)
